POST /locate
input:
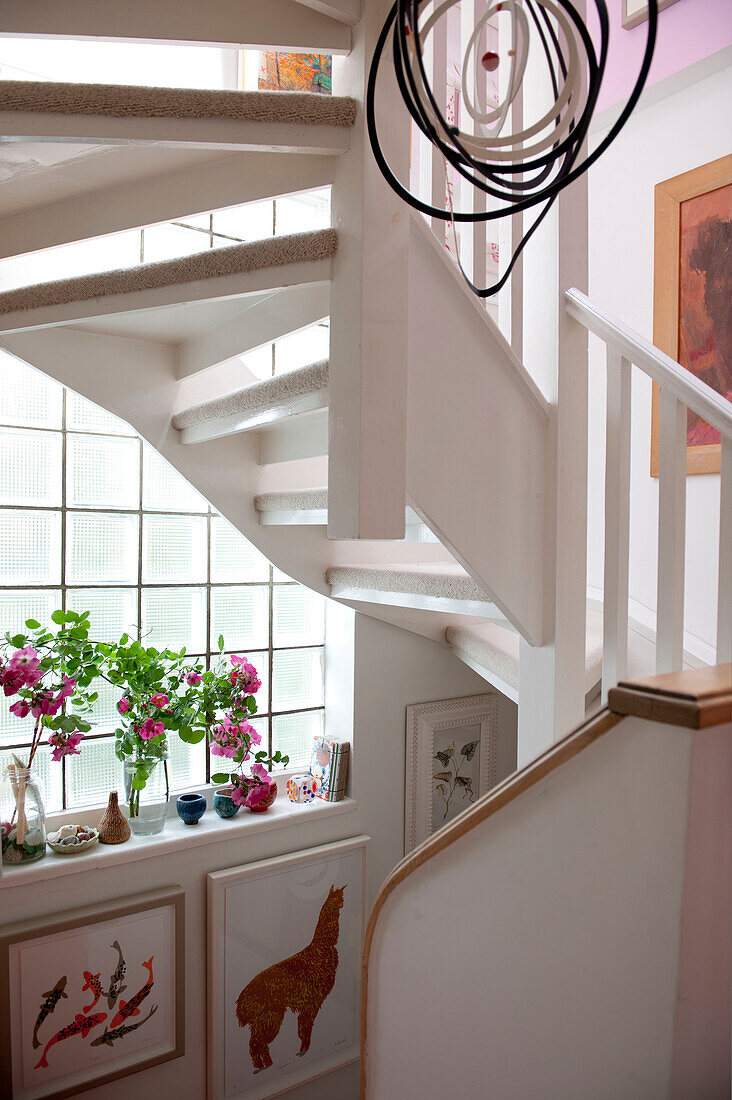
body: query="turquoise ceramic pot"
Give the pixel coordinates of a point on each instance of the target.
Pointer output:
(224, 804)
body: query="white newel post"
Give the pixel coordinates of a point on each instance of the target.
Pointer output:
(368, 361)
(552, 677)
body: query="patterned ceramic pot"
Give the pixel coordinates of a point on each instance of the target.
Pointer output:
(224, 804)
(191, 808)
(262, 806)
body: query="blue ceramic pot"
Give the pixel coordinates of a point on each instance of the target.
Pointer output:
(224, 804)
(191, 808)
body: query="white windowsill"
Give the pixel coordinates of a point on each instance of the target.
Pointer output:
(175, 837)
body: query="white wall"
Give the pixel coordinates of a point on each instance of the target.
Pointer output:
(393, 668)
(679, 133)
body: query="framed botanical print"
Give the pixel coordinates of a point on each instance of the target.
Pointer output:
(692, 291)
(451, 761)
(91, 995)
(285, 939)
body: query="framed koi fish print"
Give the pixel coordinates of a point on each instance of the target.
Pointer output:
(91, 995)
(285, 940)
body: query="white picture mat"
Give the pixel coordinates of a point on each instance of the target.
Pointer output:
(35, 966)
(428, 725)
(636, 11)
(259, 915)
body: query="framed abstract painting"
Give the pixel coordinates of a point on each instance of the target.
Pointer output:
(692, 320)
(91, 995)
(284, 956)
(452, 749)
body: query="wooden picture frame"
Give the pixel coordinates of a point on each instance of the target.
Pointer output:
(670, 195)
(34, 954)
(636, 12)
(260, 916)
(433, 732)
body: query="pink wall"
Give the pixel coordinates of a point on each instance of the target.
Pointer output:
(688, 31)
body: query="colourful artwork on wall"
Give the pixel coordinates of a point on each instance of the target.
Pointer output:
(285, 940)
(295, 72)
(692, 319)
(90, 996)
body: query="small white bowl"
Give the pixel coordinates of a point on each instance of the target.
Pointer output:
(72, 849)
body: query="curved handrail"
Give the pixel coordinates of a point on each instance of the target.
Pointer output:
(507, 791)
(684, 385)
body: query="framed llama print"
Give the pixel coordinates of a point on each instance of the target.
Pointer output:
(91, 995)
(451, 761)
(692, 294)
(285, 938)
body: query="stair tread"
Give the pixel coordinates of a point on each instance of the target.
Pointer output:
(320, 244)
(293, 500)
(125, 101)
(445, 580)
(497, 649)
(258, 396)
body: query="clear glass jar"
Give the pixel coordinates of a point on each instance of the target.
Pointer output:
(22, 817)
(147, 793)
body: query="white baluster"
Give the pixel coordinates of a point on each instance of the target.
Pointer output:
(438, 81)
(724, 603)
(671, 534)
(617, 521)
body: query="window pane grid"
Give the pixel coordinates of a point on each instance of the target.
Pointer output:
(68, 565)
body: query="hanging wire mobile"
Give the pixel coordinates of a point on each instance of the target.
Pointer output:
(521, 170)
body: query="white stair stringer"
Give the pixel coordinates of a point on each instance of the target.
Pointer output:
(477, 438)
(256, 405)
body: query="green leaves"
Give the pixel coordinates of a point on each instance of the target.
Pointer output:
(32, 624)
(221, 643)
(220, 777)
(468, 750)
(444, 757)
(443, 775)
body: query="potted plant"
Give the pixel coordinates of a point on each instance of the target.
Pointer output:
(227, 695)
(160, 697)
(48, 673)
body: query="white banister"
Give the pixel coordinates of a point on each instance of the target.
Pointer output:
(617, 522)
(671, 533)
(724, 599)
(679, 391)
(437, 70)
(683, 385)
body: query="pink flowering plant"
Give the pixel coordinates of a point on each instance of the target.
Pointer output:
(227, 695)
(49, 675)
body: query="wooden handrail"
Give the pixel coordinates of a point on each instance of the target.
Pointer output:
(684, 385)
(697, 698)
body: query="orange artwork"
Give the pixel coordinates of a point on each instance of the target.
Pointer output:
(705, 299)
(301, 983)
(692, 319)
(295, 72)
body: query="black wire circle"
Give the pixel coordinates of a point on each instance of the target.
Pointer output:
(521, 170)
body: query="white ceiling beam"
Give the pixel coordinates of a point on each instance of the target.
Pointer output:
(345, 11)
(276, 24)
(282, 312)
(227, 181)
(237, 135)
(223, 286)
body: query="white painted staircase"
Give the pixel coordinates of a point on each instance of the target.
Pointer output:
(413, 483)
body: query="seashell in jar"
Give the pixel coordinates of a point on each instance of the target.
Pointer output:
(33, 837)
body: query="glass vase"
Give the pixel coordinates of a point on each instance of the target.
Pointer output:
(22, 816)
(146, 792)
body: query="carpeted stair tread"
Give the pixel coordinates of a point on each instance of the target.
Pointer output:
(295, 500)
(442, 580)
(130, 101)
(270, 393)
(496, 649)
(319, 244)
